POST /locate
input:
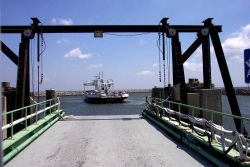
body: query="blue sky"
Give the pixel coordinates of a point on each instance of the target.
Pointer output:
(71, 59)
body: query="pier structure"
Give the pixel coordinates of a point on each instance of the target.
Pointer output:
(108, 140)
(160, 136)
(144, 147)
(34, 124)
(222, 146)
(203, 33)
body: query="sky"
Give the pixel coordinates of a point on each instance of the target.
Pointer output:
(131, 61)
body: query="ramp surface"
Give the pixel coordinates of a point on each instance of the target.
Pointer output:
(93, 141)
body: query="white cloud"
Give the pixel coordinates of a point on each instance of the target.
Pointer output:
(155, 65)
(63, 41)
(234, 45)
(94, 66)
(145, 73)
(78, 53)
(193, 66)
(62, 21)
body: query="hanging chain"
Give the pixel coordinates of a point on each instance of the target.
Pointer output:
(32, 61)
(169, 61)
(164, 73)
(164, 64)
(43, 46)
(158, 44)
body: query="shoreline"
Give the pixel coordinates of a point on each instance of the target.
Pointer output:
(80, 93)
(238, 91)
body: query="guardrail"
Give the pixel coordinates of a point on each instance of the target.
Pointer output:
(211, 137)
(56, 105)
(211, 114)
(45, 115)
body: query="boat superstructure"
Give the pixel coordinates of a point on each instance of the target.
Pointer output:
(102, 92)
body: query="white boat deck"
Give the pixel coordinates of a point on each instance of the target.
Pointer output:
(93, 141)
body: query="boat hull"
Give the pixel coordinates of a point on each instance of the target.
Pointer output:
(104, 99)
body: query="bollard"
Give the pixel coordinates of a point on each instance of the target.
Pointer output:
(10, 94)
(50, 94)
(5, 85)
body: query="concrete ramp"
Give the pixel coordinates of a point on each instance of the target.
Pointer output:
(125, 140)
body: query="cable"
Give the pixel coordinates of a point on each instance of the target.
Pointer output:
(169, 61)
(164, 60)
(163, 54)
(164, 73)
(159, 50)
(127, 35)
(32, 62)
(33, 69)
(158, 45)
(43, 46)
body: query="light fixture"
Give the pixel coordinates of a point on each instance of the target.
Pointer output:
(98, 34)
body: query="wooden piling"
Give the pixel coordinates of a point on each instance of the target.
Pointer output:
(50, 94)
(162, 93)
(4, 117)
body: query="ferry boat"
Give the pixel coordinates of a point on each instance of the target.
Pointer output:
(102, 92)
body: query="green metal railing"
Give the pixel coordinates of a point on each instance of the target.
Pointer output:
(198, 112)
(42, 116)
(40, 108)
(208, 139)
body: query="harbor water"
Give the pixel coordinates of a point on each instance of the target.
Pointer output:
(75, 105)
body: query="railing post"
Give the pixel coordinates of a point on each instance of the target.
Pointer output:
(212, 116)
(50, 106)
(59, 104)
(4, 116)
(25, 118)
(11, 124)
(44, 108)
(242, 126)
(179, 110)
(51, 95)
(193, 111)
(37, 106)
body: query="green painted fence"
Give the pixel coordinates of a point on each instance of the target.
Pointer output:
(45, 115)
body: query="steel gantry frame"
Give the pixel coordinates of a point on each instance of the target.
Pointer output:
(204, 33)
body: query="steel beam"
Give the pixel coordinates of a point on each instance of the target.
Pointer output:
(38, 67)
(9, 53)
(178, 69)
(226, 79)
(191, 50)
(23, 77)
(13, 146)
(206, 62)
(104, 28)
(174, 60)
